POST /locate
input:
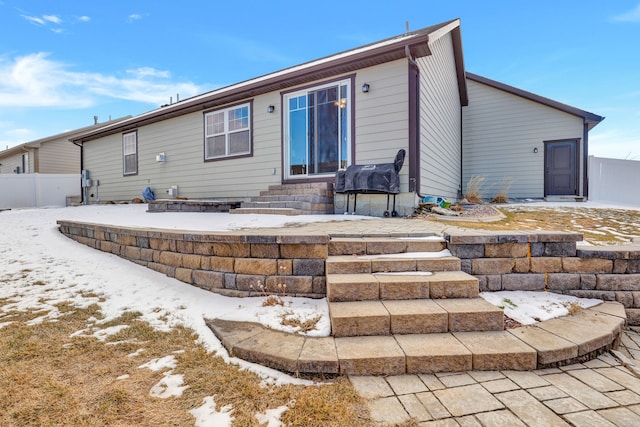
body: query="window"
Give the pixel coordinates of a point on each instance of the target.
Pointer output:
(130, 153)
(227, 133)
(317, 130)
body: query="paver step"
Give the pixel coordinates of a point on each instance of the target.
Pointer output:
(361, 318)
(289, 204)
(274, 211)
(407, 261)
(309, 198)
(378, 245)
(401, 285)
(578, 338)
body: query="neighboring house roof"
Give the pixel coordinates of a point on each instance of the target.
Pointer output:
(409, 45)
(29, 146)
(589, 118)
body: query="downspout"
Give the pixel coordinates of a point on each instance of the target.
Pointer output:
(460, 195)
(585, 161)
(81, 169)
(413, 122)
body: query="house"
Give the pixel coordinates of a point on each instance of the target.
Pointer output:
(50, 155)
(304, 123)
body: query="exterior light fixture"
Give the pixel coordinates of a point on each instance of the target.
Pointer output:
(535, 150)
(365, 88)
(271, 109)
(161, 158)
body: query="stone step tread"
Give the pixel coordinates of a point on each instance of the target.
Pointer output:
(361, 318)
(392, 286)
(524, 348)
(343, 264)
(293, 204)
(384, 245)
(313, 198)
(276, 211)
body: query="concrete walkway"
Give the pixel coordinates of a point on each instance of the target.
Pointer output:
(602, 392)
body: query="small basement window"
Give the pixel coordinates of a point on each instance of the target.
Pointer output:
(227, 132)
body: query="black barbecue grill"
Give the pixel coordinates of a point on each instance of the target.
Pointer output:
(380, 178)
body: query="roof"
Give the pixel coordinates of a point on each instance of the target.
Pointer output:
(589, 118)
(415, 44)
(27, 146)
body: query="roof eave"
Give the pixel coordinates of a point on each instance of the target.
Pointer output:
(314, 70)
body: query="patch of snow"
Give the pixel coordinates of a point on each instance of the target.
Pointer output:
(167, 362)
(403, 273)
(207, 415)
(136, 353)
(169, 386)
(271, 417)
(528, 307)
(425, 238)
(409, 255)
(123, 377)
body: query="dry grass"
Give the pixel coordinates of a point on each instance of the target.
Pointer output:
(598, 226)
(473, 192)
(48, 378)
(573, 307)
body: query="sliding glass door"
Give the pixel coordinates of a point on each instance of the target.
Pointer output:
(317, 130)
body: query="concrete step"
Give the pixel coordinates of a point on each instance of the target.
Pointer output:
(361, 318)
(409, 261)
(401, 286)
(290, 204)
(309, 198)
(384, 245)
(274, 211)
(555, 342)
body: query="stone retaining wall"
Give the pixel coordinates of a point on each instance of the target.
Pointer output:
(233, 264)
(551, 261)
(238, 263)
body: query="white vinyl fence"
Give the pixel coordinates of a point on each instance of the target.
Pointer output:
(34, 190)
(614, 180)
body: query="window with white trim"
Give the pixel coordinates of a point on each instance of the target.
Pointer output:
(227, 132)
(130, 153)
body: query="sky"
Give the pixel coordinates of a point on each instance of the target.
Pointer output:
(62, 63)
(34, 251)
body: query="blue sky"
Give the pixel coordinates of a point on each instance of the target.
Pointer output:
(63, 62)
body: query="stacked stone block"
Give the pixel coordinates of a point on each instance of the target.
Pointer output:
(552, 262)
(232, 264)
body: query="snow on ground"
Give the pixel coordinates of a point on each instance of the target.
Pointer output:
(40, 267)
(530, 307)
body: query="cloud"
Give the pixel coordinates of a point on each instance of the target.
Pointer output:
(84, 18)
(134, 17)
(36, 81)
(630, 16)
(52, 18)
(34, 19)
(148, 72)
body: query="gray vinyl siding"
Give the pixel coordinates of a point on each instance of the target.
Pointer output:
(182, 141)
(59, 156)
(500, 132)
(381, 115)
(440, 121)
(381, 129)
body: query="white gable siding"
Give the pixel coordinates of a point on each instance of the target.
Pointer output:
(440, 121)
(500, 132)
(382, 126)
(9, 163)
(59, 156)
